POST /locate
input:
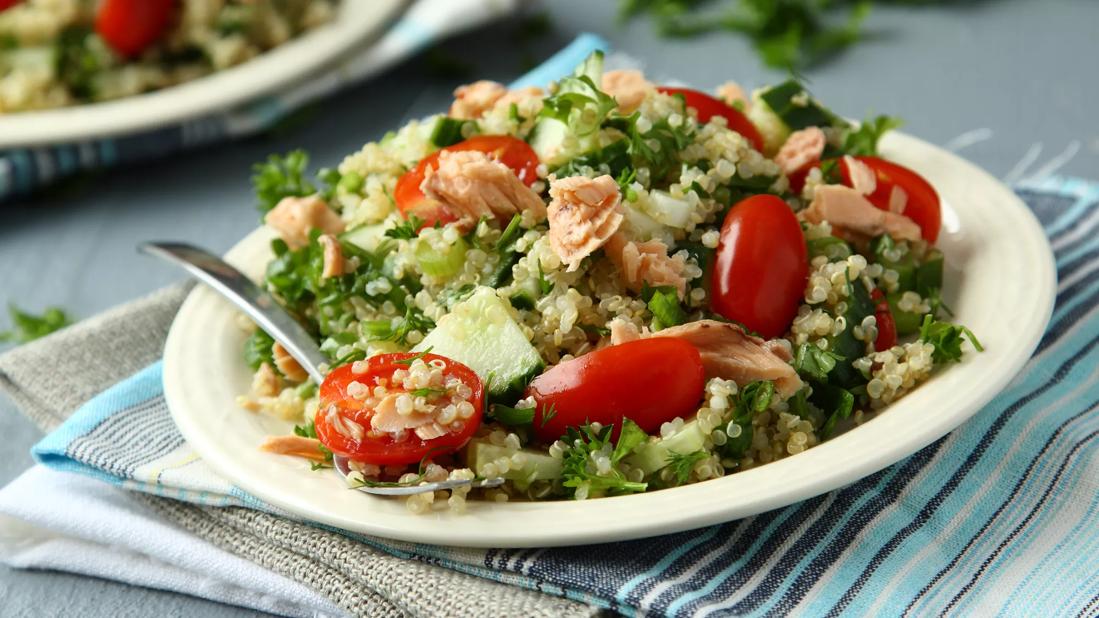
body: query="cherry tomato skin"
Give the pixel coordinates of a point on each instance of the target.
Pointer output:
(131, 26)
(7, 4)
(708, 107)
(383, 450)
(923, 205)
(512, 152)
(650, 381)
(887, 326)
(761, 266)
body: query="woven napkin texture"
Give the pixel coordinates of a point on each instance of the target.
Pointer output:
(1000, 515)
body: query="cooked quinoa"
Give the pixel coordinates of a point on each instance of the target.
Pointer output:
(51, 54)
(533, 286)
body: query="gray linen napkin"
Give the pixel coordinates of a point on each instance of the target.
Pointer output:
(94, 354)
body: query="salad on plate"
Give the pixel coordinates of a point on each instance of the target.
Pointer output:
(603, 288)
(56, 53)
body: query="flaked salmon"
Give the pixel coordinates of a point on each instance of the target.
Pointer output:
(286, 364)
(628, 87)
(473, 100)
(333, 256)
(851, 213)
(863, 179)
(800, 149)
(646, 262)
(733, 94)
(294, 217)
(387, 419)
(472, 186)
(583, 214)
(728, 352)
(295, 446)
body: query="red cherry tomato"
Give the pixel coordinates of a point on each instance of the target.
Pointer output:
(7, 4)
(708, 107)
(512, 152)
(923, 205)
(649, 381)
(380, 448)
(887, 326)
(131, 26)
(761, 265)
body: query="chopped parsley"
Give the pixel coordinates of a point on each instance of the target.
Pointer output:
(513, 417)
(510, 234)
(28, 327)
(279, 177)
(947, 339)
(813, 362)
(863, 141)
(257, 349)
(581, 473)
(406, 230)
(415, 357)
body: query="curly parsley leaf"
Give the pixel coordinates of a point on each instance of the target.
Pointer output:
(406, 230)
(863, 141)
(279, 177)
(580, 470)
(815, 363)
(681, 464)
(947, 339)
(28, 327)
(257, 349)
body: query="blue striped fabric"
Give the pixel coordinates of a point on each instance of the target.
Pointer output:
(999, 517)
(24, 170)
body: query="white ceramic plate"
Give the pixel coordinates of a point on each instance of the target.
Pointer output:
(1000, 282)
(356, 23)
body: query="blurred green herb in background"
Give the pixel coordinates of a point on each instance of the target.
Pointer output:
(788, 34)
(28, 327)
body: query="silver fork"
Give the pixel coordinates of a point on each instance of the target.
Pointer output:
(259, 305)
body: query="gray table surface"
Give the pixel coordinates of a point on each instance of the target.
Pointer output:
(1018, 75)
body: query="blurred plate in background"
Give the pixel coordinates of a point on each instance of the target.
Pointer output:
(357, 23)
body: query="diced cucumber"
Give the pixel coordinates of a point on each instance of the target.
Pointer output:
(905, 267)
(547, 139)
(537, 467)
(366, 237)
(792, 103)
(773, 130)
(656, 453)
(907, 322)
(929, 276)
(642, 226)
(479, 333)
(670, 211)
(830, 247)
(441, 261)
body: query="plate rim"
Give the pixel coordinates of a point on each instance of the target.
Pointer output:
(358, 23)
(440, 528)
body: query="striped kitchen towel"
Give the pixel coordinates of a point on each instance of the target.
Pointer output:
(24, 170)
(999, 517)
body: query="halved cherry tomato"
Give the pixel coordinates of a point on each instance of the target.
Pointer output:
(512, 152)
(923, 205)
(380, 448)
(761, 266)
(708, 107)
(130, 26)
(649, 381)
(887, 326)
